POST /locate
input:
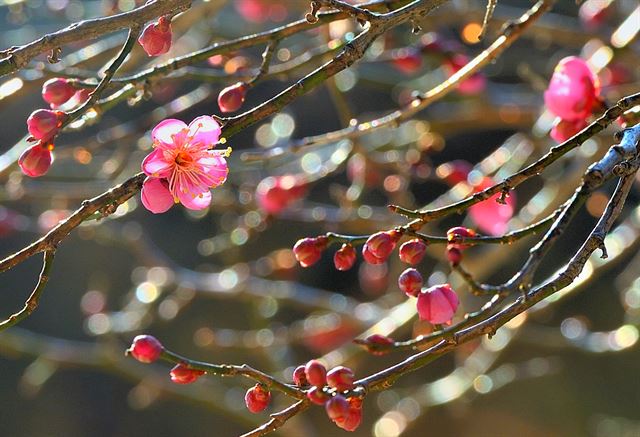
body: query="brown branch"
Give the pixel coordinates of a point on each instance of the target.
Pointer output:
(279, 419)
(15, 58)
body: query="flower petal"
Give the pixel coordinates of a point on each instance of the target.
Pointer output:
(156, 196)
(204, 132)
(215, 168)
(164, 133)
(195, 201)
(154, 164)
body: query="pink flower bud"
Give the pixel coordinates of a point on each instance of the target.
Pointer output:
(308, 251)
(156, 196)
(257, 398)
(410, 281)
(232, 97)
(155, 39)
(375, 342)
(317, 396)
(490, 216)
(412, 251)
(337, 408)
(316, 373)
(573, 90)
(563, 129)
(370, 257)
(459, 232)
(345, 257)
(57, 91)
(381, 244)
(341, 378)
(300, 377)
(44, 123)
(437, 304)
(145, 348)
(36, 160)
(275, 193)
(183, 374)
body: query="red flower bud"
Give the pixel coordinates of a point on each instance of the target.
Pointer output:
(381, 244)
(345, 257)
(308, 251)
(155, 39)
(257, 398)
(145, 348)
(36, 160)
(410, 281)
(275, 193)
(316, 373)
(354, 418)
(369, 256)
(412, 251)
(437, 304)
(57, 91)
(299, 377)
(232, 97)
(341, 378)
(44, 123)
(183, 374)
(337, 409)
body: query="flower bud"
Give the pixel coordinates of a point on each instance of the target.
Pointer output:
(412, 251)
(57, 91)
(316, 373)
(370, 257)
(183, 374)
(454, 255)
(257, 398)
(155, 39)
(381, 244)
(437, 304)
(410, 281)
(341, 378)
(308, 251)
(145, 348)
(36, 160)
(573, 90)
(300, 377)
(275, 193)
(337, 408)
(232, 97)
(345, 257)
(354, 418)
(44, 123)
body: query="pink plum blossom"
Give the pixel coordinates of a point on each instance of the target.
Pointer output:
(437, 304)
(573, 90)
(182, 166)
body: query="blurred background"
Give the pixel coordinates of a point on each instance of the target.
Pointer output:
(222, 285)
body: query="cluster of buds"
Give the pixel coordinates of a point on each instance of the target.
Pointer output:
(276, 193)
(327, 388)
(156, 37)
(573, 94)
(147, 349)
(43, 126)
(454, 249)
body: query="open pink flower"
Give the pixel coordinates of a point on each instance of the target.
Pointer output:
(181, 157)
(573, 90)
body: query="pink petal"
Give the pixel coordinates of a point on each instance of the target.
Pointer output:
(441, 309)
(156, 196)
(166, 133)
(204, 131)
(216, 169)
(195, 201)
(154, 164)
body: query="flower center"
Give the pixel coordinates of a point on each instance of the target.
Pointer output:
(184, 159)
